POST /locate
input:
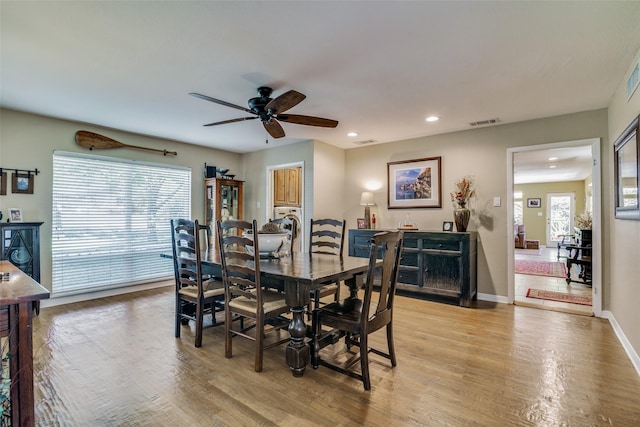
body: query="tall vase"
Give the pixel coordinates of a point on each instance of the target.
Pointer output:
(461, 215)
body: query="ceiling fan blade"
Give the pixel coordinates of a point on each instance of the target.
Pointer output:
(224, 122)
(218, 101)
(308, 120)
(274, 128)
(285, 101)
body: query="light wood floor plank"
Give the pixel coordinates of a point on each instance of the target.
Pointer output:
(115, 362)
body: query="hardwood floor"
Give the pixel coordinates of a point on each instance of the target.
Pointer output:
(115, 362)
(525, 281)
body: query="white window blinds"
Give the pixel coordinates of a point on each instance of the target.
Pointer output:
(110, 221)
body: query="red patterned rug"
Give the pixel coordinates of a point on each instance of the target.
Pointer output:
(559, 296)
(541, 268)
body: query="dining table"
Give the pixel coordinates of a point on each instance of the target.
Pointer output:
(297, 274)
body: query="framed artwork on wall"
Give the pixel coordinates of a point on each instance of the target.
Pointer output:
(3, 184)
(22, 183)
(534, 203)
(626, 166)
(414, 184)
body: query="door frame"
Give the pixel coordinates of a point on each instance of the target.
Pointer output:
(269, 196)
(572, 221)
(596, 176)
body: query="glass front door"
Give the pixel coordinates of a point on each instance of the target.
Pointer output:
(560, 213)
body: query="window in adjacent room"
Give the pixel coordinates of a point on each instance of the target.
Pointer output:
(517, 207)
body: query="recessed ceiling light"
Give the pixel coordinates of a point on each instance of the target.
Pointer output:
(352, 134)
(432, 118)
(552, 166)
(551, 159)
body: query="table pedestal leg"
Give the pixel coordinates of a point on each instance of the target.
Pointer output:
(297, 352)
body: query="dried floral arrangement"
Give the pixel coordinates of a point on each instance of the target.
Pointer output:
(584, 221)
(464, 191)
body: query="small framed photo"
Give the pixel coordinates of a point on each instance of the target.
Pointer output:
(22, 183)
(361, 224)
(15, 215)
(447, 226)
(534, 203)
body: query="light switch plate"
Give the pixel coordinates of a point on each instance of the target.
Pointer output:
(496, 202)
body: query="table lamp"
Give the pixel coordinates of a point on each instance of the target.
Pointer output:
(366, 200)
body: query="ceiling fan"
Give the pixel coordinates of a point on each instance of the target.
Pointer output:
(269, 111)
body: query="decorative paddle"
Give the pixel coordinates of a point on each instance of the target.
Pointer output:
(92, 140)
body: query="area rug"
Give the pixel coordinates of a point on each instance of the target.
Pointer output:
(540, 268)
(559, 296)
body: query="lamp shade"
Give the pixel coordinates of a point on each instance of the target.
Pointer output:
(366, 199)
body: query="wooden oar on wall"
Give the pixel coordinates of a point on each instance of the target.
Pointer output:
(92, 140)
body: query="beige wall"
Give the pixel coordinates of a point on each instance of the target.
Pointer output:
(27, 141)
(622, 289)
(479, 152)
(535, 219)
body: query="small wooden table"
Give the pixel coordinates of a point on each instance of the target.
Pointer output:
(17, 296)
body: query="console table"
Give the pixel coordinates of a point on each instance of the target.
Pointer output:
(432, 263)
(17, 294)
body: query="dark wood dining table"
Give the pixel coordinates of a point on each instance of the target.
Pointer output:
(297, 275)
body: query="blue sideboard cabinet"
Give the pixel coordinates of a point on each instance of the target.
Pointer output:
(433, 263)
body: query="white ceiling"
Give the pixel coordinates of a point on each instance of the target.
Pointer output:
(552, 165)
(379, 68)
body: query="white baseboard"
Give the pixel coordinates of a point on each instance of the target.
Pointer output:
(493, 298)
(628, 348)
(52, 302)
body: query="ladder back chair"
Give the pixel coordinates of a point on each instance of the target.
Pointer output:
(326, 236)
(245, 298)
(196, 294)
(356, 318)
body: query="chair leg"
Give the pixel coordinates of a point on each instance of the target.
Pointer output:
(178, 316)
(199, 322)
(259, 344)
(392, 350)
(336, 297)
(227, 332)
(364, 361)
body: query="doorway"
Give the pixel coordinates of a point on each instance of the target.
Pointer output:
(515, 171)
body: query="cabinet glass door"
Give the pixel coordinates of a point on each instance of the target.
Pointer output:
(18, 248)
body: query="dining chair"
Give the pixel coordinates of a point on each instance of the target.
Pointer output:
(245, 298)
(356, 319)
(196, 294)
(326, 236)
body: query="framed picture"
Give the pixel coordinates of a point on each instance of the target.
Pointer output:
(534, 203)
(361, 224)
(447, 226)
(22, 183)
(414, 184)
(15, 215)
(3, 184)
(626, 166)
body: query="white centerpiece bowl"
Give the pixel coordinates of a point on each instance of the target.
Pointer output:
(269, 242)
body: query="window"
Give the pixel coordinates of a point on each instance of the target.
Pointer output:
(110, 221)
(517, 207)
